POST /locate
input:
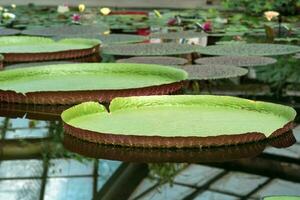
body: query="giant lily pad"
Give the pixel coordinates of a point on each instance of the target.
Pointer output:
(9, 31)
(208, 72)
(160, 60)
(73, 30)
(178, 121)
(178, 35)
(24, 48)
(241, 61)
(249, 50)
(121, 39)
(74, 83)
(149, 49)
(111, 39)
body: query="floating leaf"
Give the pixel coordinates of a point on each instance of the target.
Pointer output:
(240, 61)
(254, 49)
(178, 35)
(160, 60)
(73, 83)
(26, 44)
(149, 49)
(9, 31)
(68, 30)
(201, 121)
(208, 72)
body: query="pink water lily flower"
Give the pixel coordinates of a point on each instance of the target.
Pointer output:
(76, 18)
(207, 26)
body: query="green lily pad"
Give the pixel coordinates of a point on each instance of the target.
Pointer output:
(160, 60)
(178, 35)
(282, 198)
(9, 31)
(240, 61)
(149, 49)
(112, 39)
(209, 72)
(121, 39)
(73, 83)
(249, 50)
(67, 30)
(178, 121)
(26, 44)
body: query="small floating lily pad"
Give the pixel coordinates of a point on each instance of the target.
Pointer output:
(208, 72)
(25, 48)
(67, 30)
(9, 31)
(74, 83)
(250, 50)
(178, 121)
(160, 60)
(240, 61)
(149, 49)
(121, 39)
(178, 35)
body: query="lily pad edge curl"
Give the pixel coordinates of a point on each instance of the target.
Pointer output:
(86, 111)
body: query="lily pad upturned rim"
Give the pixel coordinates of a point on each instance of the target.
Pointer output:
(178, 35)
(87, 47)
(161, 60)
(250, 49)
(239, 61)
(206, 155)
(148, 49)
(212, 71)
(54, 95)
(184, 141)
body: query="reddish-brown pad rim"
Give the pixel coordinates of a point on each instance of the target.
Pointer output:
(171, 142)
(75, 97)
(44, 56)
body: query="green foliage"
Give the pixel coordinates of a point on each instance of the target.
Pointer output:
(286, 70)
(165, 172)
(285, 7)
